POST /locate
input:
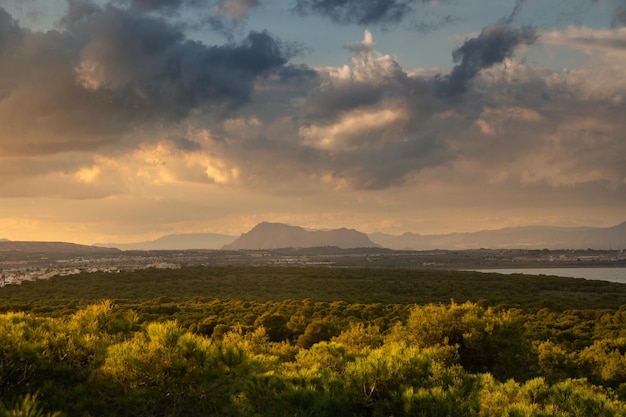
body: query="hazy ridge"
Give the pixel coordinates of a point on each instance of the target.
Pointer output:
(183, 241)
(52, 247)
(527, 237)
(268, 235)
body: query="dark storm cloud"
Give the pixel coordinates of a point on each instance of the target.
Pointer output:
(112, 70)
(391, 164)
(619, 17)
(222, 16)
(427, 27)
(361, 12)
(296, 73)
(185, 144)
(166, 6)
(148, 61)
(330, 101)
(516, 10)
(9, 31)
(494, 44)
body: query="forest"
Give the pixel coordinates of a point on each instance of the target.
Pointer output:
(289, 341)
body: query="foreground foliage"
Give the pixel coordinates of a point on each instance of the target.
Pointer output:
(435, 360)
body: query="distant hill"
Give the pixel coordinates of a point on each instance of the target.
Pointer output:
(529, 237)
(278, 235)
(52, 247)
(177, 242)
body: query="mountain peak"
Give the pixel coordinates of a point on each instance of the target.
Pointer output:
(266, 235)
(274, 226)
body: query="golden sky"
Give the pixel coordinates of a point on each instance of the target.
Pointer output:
(125, 120)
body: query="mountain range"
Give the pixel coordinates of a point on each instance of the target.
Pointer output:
(278, 235)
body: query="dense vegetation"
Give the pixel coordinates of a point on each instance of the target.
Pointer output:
(242, 341)
(196, 285)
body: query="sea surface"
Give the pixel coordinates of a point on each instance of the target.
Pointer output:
(602, 274)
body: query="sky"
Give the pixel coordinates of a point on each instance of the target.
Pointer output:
(126, 120)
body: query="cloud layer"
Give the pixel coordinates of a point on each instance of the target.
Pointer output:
(119, 103)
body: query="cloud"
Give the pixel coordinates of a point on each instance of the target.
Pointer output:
(356, 11)
(494, 44)
(235, 10)
(112, 71)
(73, 176)
(361, 125)
(374, 125)
(147, 60)
(619, 15)
(427, 27)
(9, 31)
(587, 38)
(517, 8)
(601, 76)
(537, 127)
(161, 6)
(363, 48)
(226, 16)
(369, 79)
(222, 16)
(353, 128)
(361, 12)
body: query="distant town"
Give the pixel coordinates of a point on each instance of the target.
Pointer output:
(12, 272)
(17, 267)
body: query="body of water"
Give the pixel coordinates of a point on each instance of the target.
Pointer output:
(603, 274)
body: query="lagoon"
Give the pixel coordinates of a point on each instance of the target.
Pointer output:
(602, 274)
